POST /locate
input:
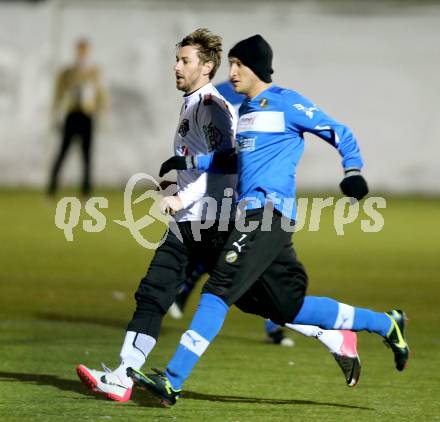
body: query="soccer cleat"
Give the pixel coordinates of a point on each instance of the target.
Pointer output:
(395, 339)
(157, 383)
(104, 382)
(278, 337)
(348, 358)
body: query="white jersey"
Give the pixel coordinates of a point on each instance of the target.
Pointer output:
(207, 123)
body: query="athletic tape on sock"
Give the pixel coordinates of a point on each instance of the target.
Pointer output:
(345, 318)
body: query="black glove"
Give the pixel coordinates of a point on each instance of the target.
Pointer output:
(353, 184)
(177, 163)
(165, 184)
(225, 161)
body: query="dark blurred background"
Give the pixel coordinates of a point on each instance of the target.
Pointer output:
(373, 65)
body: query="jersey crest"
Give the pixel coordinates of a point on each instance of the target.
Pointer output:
(264, 103)
(184, 128)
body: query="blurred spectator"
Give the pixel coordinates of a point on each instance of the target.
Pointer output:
(79, 99)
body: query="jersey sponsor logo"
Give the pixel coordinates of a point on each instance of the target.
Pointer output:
(184, 128)
(247, 119)
(307, 110)
(213, 136)
(246, 144)
(262, 121)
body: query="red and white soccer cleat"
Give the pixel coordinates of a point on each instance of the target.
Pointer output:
(348, 358)
(104, 382)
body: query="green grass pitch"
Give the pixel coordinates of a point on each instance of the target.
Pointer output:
(64, 303)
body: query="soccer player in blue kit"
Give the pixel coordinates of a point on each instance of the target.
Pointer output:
(258, 270)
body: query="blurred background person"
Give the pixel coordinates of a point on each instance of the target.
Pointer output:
(78, 100)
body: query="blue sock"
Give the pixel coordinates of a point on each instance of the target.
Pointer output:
(206, 323)
(322, 311)
(270, 326)
(332, 315)
(373, 322)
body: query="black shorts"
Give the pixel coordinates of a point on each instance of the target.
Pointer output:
(170, 266)
(259, 272)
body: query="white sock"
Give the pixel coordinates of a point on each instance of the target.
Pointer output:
(134, 352)
(331, 339)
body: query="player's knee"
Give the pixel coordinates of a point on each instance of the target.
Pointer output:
(148, 300)
(293, 302)
(209, 288)
(220, 291)
(286, 312)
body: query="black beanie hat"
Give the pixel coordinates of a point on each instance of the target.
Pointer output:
(255, 53)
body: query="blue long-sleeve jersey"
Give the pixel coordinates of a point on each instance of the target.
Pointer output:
(270, 143)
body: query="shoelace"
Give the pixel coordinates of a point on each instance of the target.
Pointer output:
(167, 383)
(106, 368)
